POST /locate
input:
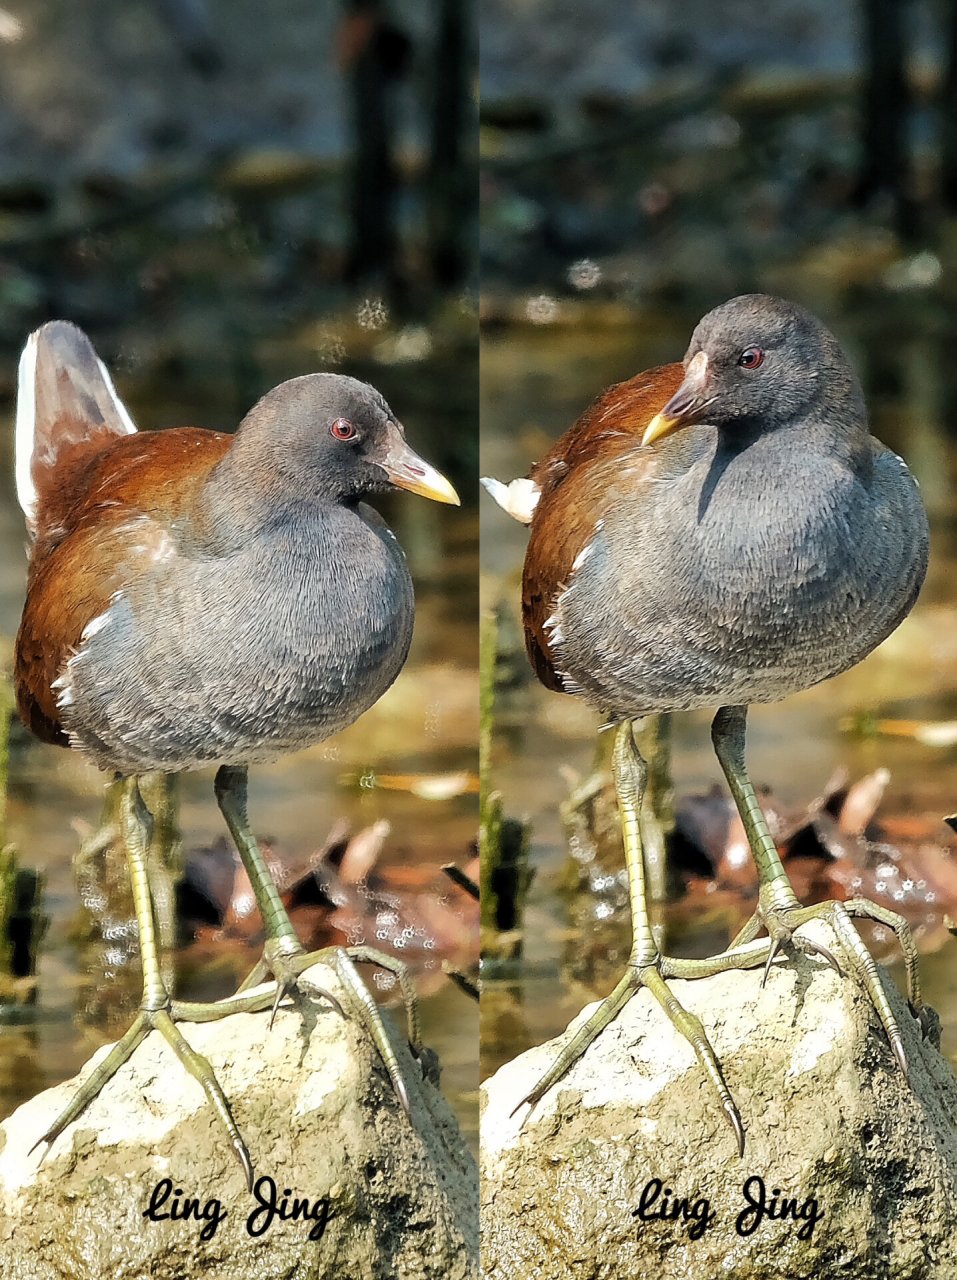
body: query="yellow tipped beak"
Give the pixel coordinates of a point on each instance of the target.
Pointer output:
(429, 483)
(406, 470)
(660, 425)
(686, 405)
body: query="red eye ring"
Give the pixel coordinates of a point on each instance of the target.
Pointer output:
(751, 358)
(342, 429)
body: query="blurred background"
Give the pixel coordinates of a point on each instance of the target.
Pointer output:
(640, 164)
(226, 195)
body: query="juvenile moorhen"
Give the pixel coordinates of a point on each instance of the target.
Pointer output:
(196, 598)
(716, 534)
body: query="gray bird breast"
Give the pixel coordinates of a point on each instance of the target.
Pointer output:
(244, 656)
(741, 578)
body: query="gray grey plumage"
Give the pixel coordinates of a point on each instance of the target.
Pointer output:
(269, 647)
(752, 554)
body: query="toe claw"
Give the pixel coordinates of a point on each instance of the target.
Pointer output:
(774, 948)
(899, 1054)
(44, 1138)
(734, 1117)
(243, 1156)
(402, 1093)
(282, 990)
(815, 949)
(529, 1098)
(313, 989)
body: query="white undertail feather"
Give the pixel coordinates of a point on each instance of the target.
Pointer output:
(519, 498)
(25, 430)
(25, 427)
(121, 408)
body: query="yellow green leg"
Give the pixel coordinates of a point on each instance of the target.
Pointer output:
(156, 1006)
(780, 913)
(646, 966)
(284, 958)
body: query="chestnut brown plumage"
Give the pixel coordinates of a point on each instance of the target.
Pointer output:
(571, 479)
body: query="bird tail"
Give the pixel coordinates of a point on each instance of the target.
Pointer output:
(67, 407)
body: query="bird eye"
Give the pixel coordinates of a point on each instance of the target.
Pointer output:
(342, 429)
(751, 357)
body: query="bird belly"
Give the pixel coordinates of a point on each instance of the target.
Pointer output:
(227, 667)
(760, 619)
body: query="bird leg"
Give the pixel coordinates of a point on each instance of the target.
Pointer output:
(156, 1006)
(646, 966)
(780, 913)
(284, 958)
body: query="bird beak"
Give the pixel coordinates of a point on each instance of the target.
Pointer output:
(406, 470)
(686, 405)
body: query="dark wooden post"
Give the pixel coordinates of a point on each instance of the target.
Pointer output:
(452, 178)
(886, 111)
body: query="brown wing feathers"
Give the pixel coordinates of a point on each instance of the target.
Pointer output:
(572, 476)
(74, 436)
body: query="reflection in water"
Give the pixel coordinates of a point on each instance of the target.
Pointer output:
(426, 725)
(535, 381)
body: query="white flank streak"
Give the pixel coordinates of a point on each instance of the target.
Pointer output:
(26, 428)
(64, 686)
(118, 403)
(519, 498)
(554, 628)
(94, 625)
(582, 556)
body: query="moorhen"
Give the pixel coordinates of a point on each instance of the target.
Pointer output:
(716, 534)
(196, 598)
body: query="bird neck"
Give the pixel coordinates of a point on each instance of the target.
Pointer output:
(254, 487)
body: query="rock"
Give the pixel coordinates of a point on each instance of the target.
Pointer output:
(320, 1118)
(830, 1123)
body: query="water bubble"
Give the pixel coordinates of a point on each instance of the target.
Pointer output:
(330, 347)
(373, 314)
(584, 274)
(922, 271)
(11, 28)
(414, 342)
(541, 309)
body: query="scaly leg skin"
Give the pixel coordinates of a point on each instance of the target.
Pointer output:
(780, 913)
(646, 966)
(156, 1007)
(284, 958)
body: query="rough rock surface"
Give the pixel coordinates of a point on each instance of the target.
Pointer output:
(319, 1117)
(828, 1117)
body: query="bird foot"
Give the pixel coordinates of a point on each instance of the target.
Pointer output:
(286, 964)
(782, 920)
(199, 1068)
(649, 976)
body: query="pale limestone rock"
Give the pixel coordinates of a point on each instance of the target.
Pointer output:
(827, 1113)
(319, 1117)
